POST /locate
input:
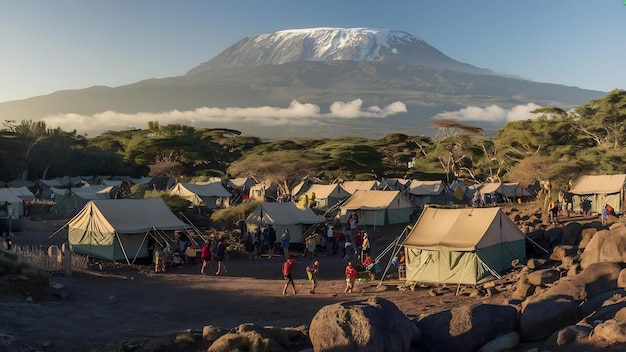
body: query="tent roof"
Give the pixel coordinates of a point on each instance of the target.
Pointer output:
(241, 182)
(507, 189)
(426, 188)
(599, 184)
(22, 192)
(126, 216)
(352, 186)
(326, 191)
(372, 199)
(7, 196)
(215, 189)
(285, 213)
(463, 229)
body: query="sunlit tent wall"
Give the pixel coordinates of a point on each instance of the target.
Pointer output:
(600, 190)
(378, 207)
(119, 229)
(283, 216)
(210, 195)
(326, 195)
(462, 246)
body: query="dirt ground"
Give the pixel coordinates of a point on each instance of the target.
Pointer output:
(124, 303)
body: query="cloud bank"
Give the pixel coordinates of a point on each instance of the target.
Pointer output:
(492, 113)
(297, 114)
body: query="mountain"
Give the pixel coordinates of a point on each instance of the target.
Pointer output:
(325, 82)
(334, 44)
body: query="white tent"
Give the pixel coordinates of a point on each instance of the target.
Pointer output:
(22, 192)
(505, 191)
(599, 190)
(117, 229)
(428, 192)
(378, 207)
(326, 195)
(462, 246)
(283, 216)
(10, 205)
(211, 195)
(353, 186)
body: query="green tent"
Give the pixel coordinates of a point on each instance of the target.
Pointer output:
(462, 246)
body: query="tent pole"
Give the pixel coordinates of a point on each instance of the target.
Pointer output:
(194, 227)
(536, 244)
(122, 247)
(61, 228)
(141, 244)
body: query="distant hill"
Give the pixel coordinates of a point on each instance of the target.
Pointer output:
(316, 66)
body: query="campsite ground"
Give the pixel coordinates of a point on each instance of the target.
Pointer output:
(119, 303)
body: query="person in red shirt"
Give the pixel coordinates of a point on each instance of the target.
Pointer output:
(287, 269)
(351, 275)
(206, 257)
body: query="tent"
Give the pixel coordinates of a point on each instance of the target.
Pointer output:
(211, 195)
(70, 203)
(599, 190)
(117, 229)
(283, 216)
(22, 192)
(10, 205)
(326, 195)
(378, 207)
(462, 245)
(505, 191)
(428, 192)
(353, 186)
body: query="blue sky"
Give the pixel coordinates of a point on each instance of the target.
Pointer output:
(54, 45)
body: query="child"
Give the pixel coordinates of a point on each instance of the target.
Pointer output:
(311, 273)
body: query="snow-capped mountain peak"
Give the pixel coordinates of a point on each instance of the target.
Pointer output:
(333, 44)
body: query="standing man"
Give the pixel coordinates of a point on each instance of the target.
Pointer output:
(330, 240)
(271, 240)
(285, 239)
(220, 254)
(287, 269)
(310, 243)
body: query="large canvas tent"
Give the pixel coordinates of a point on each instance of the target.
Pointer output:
(118, 229)
(461, 246)
(10, 205)
(281, 216)
(326, 195)
(75, 199)
(353, 186)
(378, 207)
(211, 195)
(505, 191)
(428, 192)
(599, 190)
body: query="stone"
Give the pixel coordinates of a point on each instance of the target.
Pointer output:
(563, 251)
(542, 316)
(503, 343)
(212, 333)
(586, 236)
(611, 332)
(605, 246)
(572, 234)
(544, 276)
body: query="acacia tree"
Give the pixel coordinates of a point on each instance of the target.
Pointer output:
(456, 150)
(603, 120)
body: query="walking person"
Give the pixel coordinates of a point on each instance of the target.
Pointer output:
(351, 275)
(287, 269)
(159, 259)
(220, 254)
(311, 273)
(330, 240)
(271, 240)
(366, 247)
(205, 255)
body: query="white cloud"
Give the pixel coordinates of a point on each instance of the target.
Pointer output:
(492, 113)
(297, 114)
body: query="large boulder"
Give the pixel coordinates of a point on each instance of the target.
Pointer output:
(466, 328)
(373, 324)
(587, 235)
(605, 246)
(546, 314)
(595, 279)
(572, 233)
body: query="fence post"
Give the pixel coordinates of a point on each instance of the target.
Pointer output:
(66, 249)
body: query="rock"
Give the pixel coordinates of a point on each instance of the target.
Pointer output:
(586, 236)
(568, 335)
(212, 333)
(466, 328)
(605, 246)
(524, 289)
(620, 316)
(542, 316)
(608, 310)
(503, 343)
(597, 278)
(621, 279)
(563, 251)
(373, 324)
(610, 331)
(542, 277)
(572, 234)
(595, 304)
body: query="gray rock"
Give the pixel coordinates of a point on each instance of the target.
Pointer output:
(501, 344)
(543, 277)
(572, 233)
(542, 316)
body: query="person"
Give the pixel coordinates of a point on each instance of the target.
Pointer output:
(310, 243)
(350, 278)
(271, 240)
(311, 272)
(609, 210)
(358, 244)
(330, 240)
(366, 247)
(353, 223)
(220, 254)
(248, 240)
(605, 216)
(205, 255)
(555, 211)
(285, 239)
(258, 243)
(287, 269)
(159, 259)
